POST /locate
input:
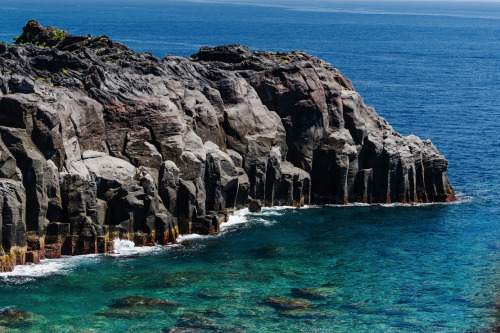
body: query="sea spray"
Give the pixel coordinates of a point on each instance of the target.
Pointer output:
(239, 217)
(66, 264)
(44, 268)
(47, 267)
(125, 247)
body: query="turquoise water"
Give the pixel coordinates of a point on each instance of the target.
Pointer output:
(372, 268)
(432, 70)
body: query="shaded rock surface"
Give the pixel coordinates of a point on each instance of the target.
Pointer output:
(255, 206)
(98, 142)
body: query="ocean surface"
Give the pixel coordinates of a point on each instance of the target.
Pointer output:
(431, 69)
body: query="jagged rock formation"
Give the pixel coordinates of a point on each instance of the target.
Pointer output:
(98, 142)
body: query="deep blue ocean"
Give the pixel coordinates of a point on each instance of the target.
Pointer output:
(431, 69)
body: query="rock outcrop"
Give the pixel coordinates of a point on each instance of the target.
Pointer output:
(98, 142)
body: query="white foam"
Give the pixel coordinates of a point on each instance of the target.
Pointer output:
(354, 204)
(271, 213)
(46, 267)
(461, 199)
(309, 206)
(122, 245)
(243, 217)
(274, 208)
(182, 238)
(126, 248)
(265, 222)
(66, 264)
(239, 217)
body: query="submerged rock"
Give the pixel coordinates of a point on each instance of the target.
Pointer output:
(142, 302)
(281, 303)
(12, 318)
(267, 252)
(99, 142)
(131, 307)
(194, 323)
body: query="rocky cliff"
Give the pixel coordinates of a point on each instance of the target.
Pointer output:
(98, 142)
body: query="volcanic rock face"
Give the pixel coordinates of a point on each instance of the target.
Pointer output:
(98, 142)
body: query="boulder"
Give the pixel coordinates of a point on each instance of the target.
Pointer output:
(255, 206)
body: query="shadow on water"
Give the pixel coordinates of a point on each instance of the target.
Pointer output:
(377, 220)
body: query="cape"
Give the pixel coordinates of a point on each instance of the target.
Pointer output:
(99, 142)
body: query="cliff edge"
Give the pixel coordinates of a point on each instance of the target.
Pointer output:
(99, 142)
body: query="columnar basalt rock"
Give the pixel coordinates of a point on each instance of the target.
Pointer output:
(99, 142)
(12, 224)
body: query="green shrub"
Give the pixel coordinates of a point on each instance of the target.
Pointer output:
(58, 34)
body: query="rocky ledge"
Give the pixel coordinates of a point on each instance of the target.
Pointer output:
(99, 142)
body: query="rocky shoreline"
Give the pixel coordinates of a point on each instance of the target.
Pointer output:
(100, 142)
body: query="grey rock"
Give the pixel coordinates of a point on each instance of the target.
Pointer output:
(13, 215)
(169, 185)
(255, 206)
(221, 179)
(34, 170)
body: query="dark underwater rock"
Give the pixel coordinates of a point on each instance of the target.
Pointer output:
(142, 302)
(267, 252)
(280, 303)
(194, 323)
(131, 307)
(99, 142)
(14, 318)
